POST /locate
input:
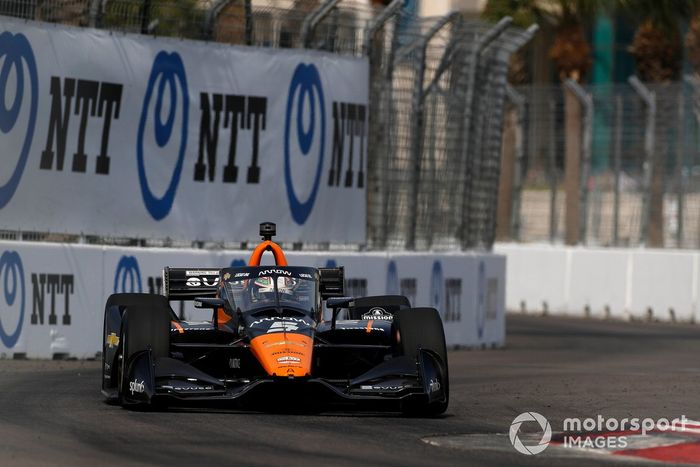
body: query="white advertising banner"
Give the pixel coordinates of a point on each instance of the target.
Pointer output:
(52, 296)
(124, 135)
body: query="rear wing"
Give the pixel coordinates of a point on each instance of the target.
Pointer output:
(190, 283)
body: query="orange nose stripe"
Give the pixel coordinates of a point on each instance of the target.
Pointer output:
(283, 353)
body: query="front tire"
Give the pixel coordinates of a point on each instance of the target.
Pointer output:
(421, 328)
(143, 328)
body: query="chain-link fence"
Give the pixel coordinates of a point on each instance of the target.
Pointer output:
(437, 97)
(613, 165)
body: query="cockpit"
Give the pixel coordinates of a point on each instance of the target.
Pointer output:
(254, 288)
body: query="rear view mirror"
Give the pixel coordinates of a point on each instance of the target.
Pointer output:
(339, 302)
(209, 302)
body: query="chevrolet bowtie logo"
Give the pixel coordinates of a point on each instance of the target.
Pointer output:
(112, 340)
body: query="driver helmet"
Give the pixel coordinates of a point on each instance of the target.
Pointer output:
(265, 285)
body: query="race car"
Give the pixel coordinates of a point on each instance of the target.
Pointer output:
(267, 345)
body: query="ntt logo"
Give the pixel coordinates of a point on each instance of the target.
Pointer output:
(517, 443)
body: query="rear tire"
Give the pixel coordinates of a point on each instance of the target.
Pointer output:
(422, 328)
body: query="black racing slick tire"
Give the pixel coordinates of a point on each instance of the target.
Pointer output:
(421, 328)
(143, 327)
(117, 304)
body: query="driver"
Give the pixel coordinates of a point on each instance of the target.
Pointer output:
(264, 288)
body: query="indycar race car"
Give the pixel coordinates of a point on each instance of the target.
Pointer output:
(267, 342)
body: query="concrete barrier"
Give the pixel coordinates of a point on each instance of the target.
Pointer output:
(611, 282)
(52, 295)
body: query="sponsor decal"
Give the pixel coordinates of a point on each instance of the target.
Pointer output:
(304, 130)
(381, 388)
(136, 386)
(190, 388)
(168, 72)
(481, 299)
(452, 309)
(260, 321)
(392, 279)
(378, 313)
(234, 363)
(267, 272)
(240, 274)
(112, 340)
(227, 276)
(436, 285)
(201, 273)
(283, 326)
(53, 285)
(127, 277)
(288, 359)
(305, 276)
(202, 282)
(17, 54)
(492, 298)
(12, 277)
(409, 288)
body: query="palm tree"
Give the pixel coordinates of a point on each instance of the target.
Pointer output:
(571, 55)
(656, 46)
(658, 54)
(692, 42)
(570, 50)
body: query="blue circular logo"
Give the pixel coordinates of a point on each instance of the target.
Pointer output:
(16, 50)
(436, 286)
(238, 263)
(127, 277)
(331, 264)
(392, 279)
(168, 70)
(307, 89)
(12, 277)
(481, 299)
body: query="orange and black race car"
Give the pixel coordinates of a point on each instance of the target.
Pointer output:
(267, 346)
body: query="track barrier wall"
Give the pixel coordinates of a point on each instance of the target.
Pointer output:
(608, 283)
(52, 295)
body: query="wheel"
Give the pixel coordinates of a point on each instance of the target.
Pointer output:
(112, 324)
(422, 328)
(143, 327)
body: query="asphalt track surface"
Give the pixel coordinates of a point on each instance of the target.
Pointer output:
(51, 412)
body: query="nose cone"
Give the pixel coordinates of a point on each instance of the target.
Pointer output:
(283, 353)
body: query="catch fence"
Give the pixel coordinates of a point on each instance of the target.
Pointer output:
(605, 165)
(438, 90)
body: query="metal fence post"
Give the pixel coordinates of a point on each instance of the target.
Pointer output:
(480, 45)
(417, 121)
(586, 101)
(617, 167)
(552, 169)
(379, 122)
(95, 13)
(680, 162)
(378, 22)
(308, 27)
(649, 99)
(519, 102)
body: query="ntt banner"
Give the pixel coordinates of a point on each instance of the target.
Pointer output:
(122, 135)
(52, 296)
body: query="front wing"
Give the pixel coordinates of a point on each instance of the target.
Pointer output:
(391, 385)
